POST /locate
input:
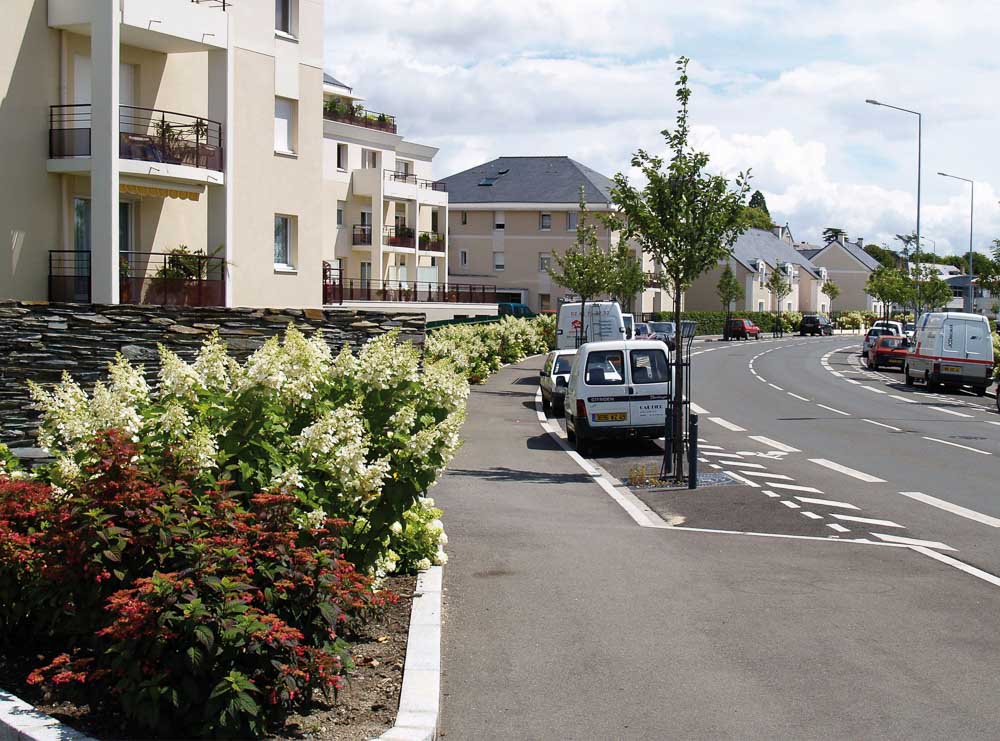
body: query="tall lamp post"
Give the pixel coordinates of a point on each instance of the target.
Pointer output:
(971, 298)
(919, 151)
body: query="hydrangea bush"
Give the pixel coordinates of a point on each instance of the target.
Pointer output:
(478, 350)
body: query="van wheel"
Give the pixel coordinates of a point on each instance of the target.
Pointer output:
(873, 365)
(907, 378)
(980, 391)
(582, 446)
(933, 386)
(570, 435)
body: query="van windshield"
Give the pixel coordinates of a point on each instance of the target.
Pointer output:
(649, 366)
(604, 368)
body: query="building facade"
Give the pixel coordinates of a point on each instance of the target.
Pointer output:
(510, 216)
(848, 265)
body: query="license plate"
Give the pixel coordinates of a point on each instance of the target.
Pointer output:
(951, 369)
(610, 417)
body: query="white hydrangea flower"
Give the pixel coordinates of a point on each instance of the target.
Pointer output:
(426, 502)
(288, 481)
(441, 558)
(442, 539)
(396, 528)
(435, 524)
(199, 449)
(423, 564)
(177, 379)
(443, 386)
(127, 383)
(66, 419)
(346, 365)
(264, 368)
(213, 366)
(174, 420)
(338, 443)
(67, 470)
(316, 518)
(388, 363)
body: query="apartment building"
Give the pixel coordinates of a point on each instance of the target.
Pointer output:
(509, 216)
(848, 265)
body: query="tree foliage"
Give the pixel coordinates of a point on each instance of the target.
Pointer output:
(755, 218)
(832, 234)
(729, 288)
(758, 202)
(887, 257)
(831, 290)
(626, 278)
(779, 284)
(888, 286)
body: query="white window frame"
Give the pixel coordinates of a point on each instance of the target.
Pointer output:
(285, 120)
(342, 162)
(369, 159)
(341, 210)
(501, 265)
(545, 222)
(291, 17)
(289, 247)
(544, 261)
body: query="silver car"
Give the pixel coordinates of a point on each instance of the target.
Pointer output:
(872, 336)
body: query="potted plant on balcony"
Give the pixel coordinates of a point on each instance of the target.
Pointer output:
(177, 282)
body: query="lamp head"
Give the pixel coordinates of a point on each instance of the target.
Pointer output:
(872, 102)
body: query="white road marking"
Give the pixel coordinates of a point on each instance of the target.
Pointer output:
(716, 454)
(790, 505)
(953, 508)
(991, 422)
(774, 386)
(951, 411)
(698, 409)
(774, 444)
(873, 389)
(956, 445)
(771, 494)
(767, 475)
(751, 465)
(715, 465)
(912, 541)
(831, 409)
(838, 528)
(800, 398)
(728, 425)
(826, 502)
(837, 373)
(811, 515)
(859, 475)
(761, 379)
(795, 487)
(703, 446)
(902, 398)
(867, 520)
(850, 380)
(743, 479)
(882, 424)
(955, 563)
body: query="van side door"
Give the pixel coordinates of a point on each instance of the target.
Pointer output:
(978, 343)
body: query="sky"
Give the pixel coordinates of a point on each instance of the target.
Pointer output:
(779, 88)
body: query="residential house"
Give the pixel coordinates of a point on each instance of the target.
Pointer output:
(756, 254)
(983, 301)
(847, 264)
(509, 216)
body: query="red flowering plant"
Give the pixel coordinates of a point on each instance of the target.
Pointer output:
(191, 612)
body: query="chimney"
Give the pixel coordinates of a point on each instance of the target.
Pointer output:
(861, 242)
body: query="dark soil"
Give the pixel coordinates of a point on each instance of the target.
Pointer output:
(364, 709)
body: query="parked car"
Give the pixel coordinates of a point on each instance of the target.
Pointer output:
(813, 324)
(872, 335)
(888, 351)
(641, 331)
(604, 323)
(951, 349)
(554, 377)
(617, 390)
(515, 310)
(665, 332)
(740, 329)
(897, 327)
(910, 330)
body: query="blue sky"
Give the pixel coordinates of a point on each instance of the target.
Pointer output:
(779, 88)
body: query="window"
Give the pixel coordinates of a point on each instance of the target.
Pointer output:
(822, 308)
(342, 157)
(544, 302)
(366, 218)
(283, 238)
(605, 368)
(498, 220)
(544, 261)
(283, 16)
(760, 306)
(563, 364)
(340, 213)
(649, 366)
(81, 224)
(463, 258)
(434, 221)
(572, 218)
(284, 125)
(788, 306)
(465, 218)
(369, 159)
(366, 273)
(545, 222)
(498, 263)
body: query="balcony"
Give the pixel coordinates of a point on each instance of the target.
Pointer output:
(431, 242)
(341, 112)
(152, 278)
(361, 235)
(399, 236)
(338, 290)
(145, 134)
(405, 177)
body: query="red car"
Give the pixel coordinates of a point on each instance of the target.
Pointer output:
(740, 329)
(888, 351)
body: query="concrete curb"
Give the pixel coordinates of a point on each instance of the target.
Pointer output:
(420, 696)
(19, 721)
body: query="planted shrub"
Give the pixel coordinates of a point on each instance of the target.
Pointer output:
(478, 350)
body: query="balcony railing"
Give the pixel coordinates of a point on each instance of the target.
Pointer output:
(152, 278)
(338, 290)
(145, 134)
(399, 236)
(361, 117)
(362, 234)
(406, 177)
(223, 4)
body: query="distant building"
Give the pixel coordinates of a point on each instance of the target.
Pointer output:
(846, 264)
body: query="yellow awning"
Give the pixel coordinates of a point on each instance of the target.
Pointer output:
(149, 191)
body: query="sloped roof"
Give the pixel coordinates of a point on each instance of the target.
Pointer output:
(762, 244)
(810, 253)
(329, 79)
(528, 180)
(851, 248)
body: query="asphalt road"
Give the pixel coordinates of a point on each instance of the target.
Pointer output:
(564, 619)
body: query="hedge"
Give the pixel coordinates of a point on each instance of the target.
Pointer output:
(712, 322)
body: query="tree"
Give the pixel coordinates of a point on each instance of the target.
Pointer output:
(584, 268)
(831, 290)
(685, 218)
(832, 234)
(627, 278)
(887, 257)
(758, 202)
(888, 286)
(778, 283)
(988, 279)
(756, 218)
(729, 289)
(934, 292)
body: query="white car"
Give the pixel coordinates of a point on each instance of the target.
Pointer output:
(873, 334)
(951, 349)
(554, 378)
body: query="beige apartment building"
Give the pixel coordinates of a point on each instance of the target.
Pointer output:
(509, 216)
(192, 152)
(849, 266)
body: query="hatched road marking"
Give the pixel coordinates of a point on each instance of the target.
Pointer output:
(859, 475)
(953, 508)
(774, 444)
(727, 425)
(867, 520)
(827, 502)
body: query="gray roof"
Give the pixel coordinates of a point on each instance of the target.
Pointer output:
(851, 248)
(528, 180)
(810, 253)
(762, 244)
(329, 79)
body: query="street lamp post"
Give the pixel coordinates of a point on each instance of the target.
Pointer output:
(919, 154)
(971, 299)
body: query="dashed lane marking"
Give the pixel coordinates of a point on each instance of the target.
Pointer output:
(902, 398)
(795, 487)
(811, 515)
(789, 504)
(838, 527)
(717, 454)
(828, 502)
(859, 475)
(955, 509)
(726, 424)
(951, 411)
(775, 386)
(956, 445)
(774, 444)
(800, 398)
(743, 479)
(751, 465)
(771, 494)
(913, 542)
(831, 409)
(882, 424)
(867, 520)
(873, 389)
(766, 474)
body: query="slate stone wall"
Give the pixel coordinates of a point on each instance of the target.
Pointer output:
(39, 341)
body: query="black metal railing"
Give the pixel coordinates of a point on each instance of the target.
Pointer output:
(399, 236)
(431, 241)
(153, 278)
(406, 177)
(224, 4)
(337, 290)
(357, 116)
(362, 234)
(145, 134)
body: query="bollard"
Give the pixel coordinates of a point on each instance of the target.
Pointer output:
(693, 451)
(668, 439)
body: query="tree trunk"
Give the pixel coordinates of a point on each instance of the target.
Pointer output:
(583, 322)
(678, 390)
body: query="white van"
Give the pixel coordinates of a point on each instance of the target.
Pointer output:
(604, 322)
(617, 390)
(628, 321)
(951, 349)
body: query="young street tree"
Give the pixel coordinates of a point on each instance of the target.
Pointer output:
(779, 284)
(687, 219)
(831, 290)
(888, 286)
(832, 233)
(627, 278)
(584, 268)
(729, 290)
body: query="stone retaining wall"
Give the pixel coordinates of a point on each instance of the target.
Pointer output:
(39, 341)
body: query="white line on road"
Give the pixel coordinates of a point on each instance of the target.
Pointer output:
(771, 494)
(795, 487)
(790, 505)
(767, 474)
(826, 502)
(951, 411)
(774, 444)
(703, 446)
(762, 380)
(873, 390)
(912, 541)
(697, 409)
(743, 464)
(728, 425)
(716, 454)
(859, 475)
(867, 520)
(955, 563)
(743, 479)
(882, 424)
(902, 398)
(831, 409)
(775, 386)
(991, 422)
(956, 445)
(838, 528)
(811, 515)
(953, 508)
(800, 398)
